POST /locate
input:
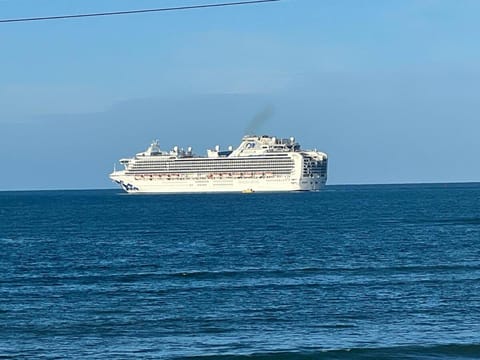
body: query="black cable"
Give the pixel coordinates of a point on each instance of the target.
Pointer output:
(134, 11)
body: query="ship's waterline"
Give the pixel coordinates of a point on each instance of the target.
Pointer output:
(259, 163)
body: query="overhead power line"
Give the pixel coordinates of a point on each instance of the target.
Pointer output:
(126, 12)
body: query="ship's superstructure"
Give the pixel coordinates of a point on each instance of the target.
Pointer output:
(259, 163)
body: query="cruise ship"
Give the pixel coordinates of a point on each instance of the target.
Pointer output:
(258, 164)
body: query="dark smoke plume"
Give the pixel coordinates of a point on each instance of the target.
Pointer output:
(259, 120)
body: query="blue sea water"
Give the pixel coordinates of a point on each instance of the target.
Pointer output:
(353, 272)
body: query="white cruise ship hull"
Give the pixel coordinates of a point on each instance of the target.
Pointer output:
(155, 185)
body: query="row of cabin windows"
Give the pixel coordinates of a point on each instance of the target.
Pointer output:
(206, 173)
(229, 166)
(249, 166)
(216, 162)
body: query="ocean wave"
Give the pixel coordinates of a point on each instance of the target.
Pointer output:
(91, 274)
(447, 221)
(440, 352)
(11, 241)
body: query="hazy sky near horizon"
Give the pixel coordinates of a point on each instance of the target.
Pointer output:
(389, 89)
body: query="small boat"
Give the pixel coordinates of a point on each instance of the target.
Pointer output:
(248, 191)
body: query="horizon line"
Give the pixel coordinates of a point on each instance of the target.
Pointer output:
(328, 185)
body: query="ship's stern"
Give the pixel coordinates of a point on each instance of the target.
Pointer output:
(314, 170)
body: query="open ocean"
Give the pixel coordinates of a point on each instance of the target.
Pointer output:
(353, 272)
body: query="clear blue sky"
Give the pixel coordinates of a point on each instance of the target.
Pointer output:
(389, 89)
